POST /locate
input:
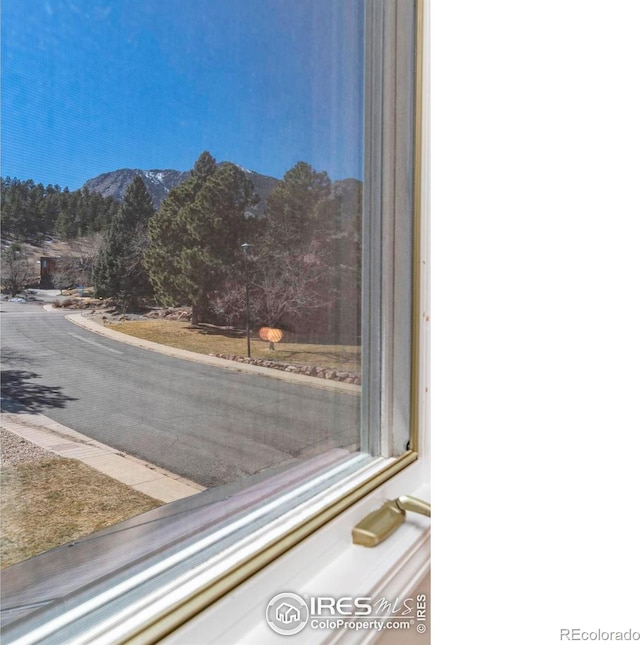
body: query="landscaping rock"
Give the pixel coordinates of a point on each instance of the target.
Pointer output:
(308, 370)
(16, 450)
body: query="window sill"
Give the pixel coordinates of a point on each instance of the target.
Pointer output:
(326, 563)
(176, 588)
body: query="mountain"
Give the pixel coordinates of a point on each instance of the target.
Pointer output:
(160, 182)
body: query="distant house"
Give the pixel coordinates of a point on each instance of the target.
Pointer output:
(48, 265)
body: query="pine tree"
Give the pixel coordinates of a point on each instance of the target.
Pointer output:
(119, 271)
(30, 211)
(291, 261)
(295, 207)
(196, 235)
(204, 167)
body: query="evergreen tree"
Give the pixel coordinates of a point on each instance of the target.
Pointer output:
(30, 211)
(298, 208)
(291, 263)
(196, 235)
(204, 166)
(23, 210)
(119, 271)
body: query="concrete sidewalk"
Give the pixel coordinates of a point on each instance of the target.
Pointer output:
(65, 442)
(301, 379)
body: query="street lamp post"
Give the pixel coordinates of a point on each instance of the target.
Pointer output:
(245, 247)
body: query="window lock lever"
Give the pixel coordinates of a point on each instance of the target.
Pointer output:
(379, 525)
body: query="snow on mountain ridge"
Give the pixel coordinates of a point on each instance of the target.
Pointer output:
(160, 182)
(154, 175)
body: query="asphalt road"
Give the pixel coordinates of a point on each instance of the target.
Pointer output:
(210, 425)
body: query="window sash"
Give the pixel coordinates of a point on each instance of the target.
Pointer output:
(389, 204)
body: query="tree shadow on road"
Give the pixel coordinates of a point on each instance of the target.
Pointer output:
(20, 393)
(9, 356)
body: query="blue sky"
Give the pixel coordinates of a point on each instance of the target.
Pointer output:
(90, 86)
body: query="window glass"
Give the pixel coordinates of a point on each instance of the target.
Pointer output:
(207, 213)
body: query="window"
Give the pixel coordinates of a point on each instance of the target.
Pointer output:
(163, 568)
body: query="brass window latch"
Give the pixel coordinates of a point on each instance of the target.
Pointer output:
(379, 525)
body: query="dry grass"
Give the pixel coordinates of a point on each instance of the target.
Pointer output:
(209, 340)
(49, 502)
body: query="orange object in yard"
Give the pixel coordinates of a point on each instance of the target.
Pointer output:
(271, 335)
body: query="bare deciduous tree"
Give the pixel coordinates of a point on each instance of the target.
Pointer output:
(289, 287)
(284, 288)
(16, 270)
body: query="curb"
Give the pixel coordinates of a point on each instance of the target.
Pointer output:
(140, 475)
(213, 361)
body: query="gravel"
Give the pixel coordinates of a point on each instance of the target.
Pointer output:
(16, 450)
